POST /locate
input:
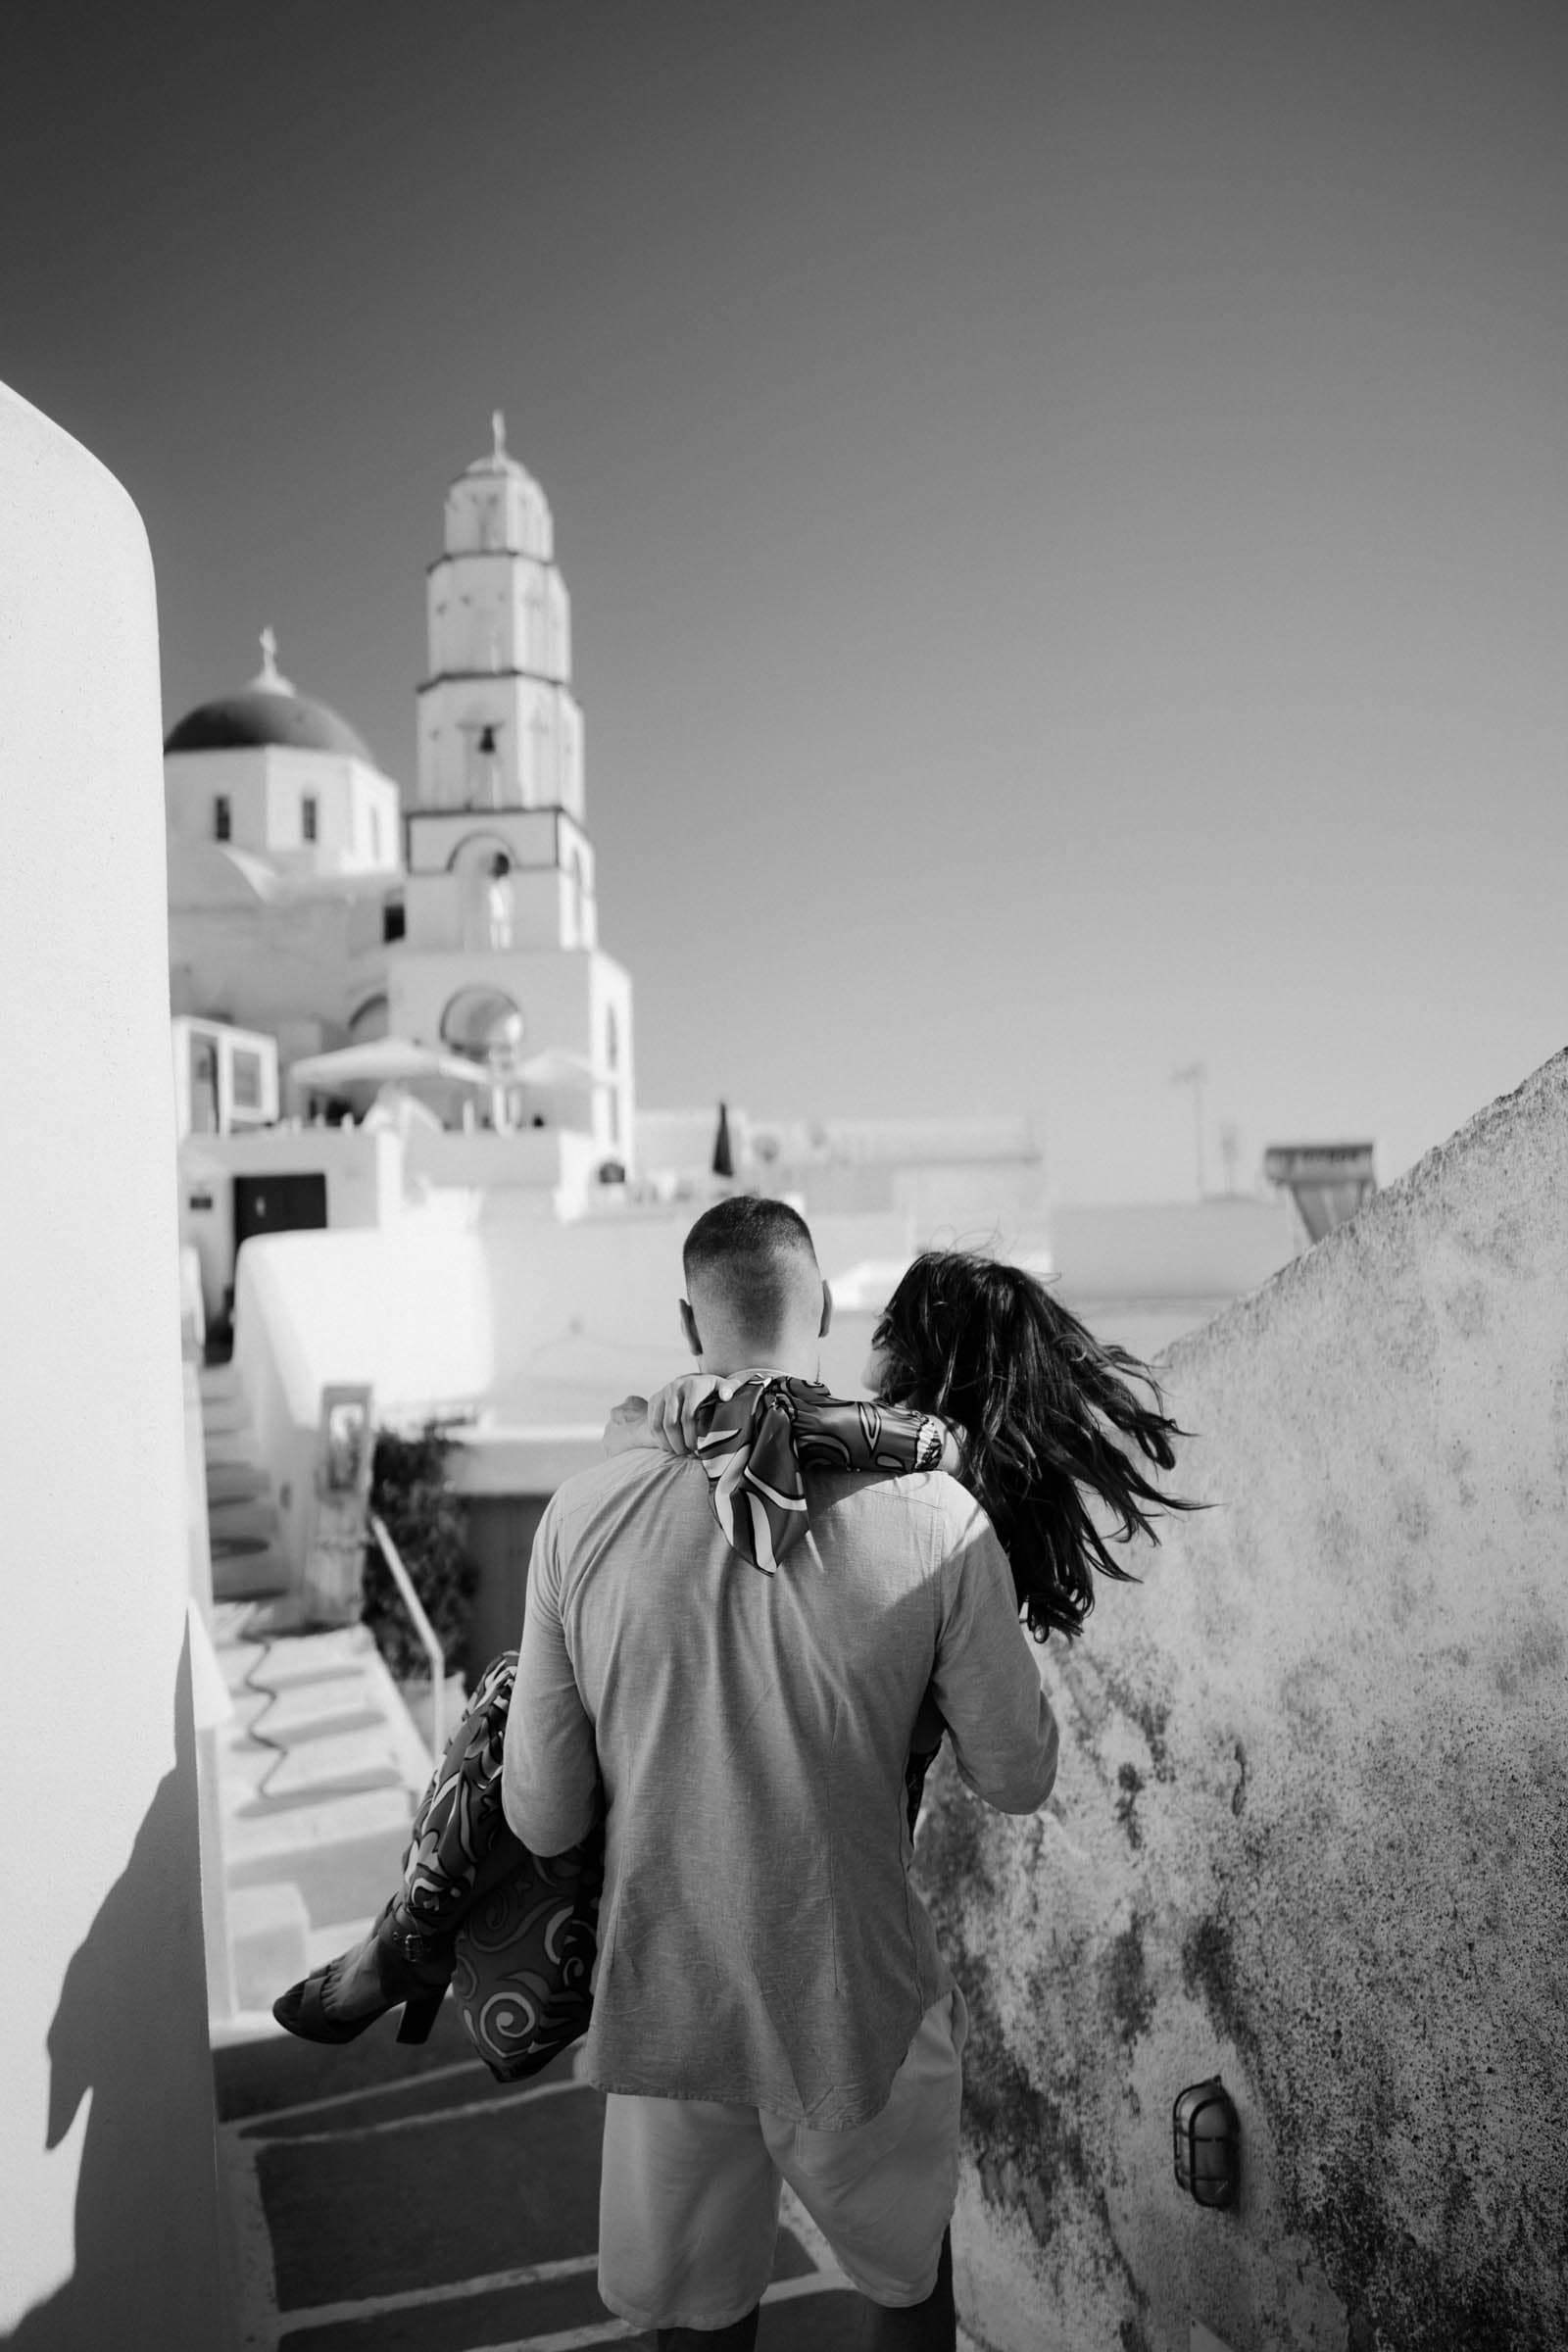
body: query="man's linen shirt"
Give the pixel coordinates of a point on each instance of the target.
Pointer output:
(759, 1938)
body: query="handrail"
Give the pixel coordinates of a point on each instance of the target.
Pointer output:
(426, 1631)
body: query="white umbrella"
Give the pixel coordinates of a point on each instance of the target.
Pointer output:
(395, 1107)
(384, 1059)
(557, 1065)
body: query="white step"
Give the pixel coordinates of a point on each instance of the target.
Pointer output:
(244, 1515)
(326, 1809)
(253, 1774)
(253, 1571)
(254, 1844)
(270, 1931)
(323, 1945)
(340, 1721)
(222, 1405)
(228, 1445)
(236, 1480)
(291, 1657)
(307, 1710)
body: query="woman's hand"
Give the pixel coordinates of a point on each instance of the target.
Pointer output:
(952, 1448)
(673, 1410)
(628, 1426)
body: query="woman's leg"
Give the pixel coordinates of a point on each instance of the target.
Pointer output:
(460, 1850)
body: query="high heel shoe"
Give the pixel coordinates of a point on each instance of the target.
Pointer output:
(412, 1970)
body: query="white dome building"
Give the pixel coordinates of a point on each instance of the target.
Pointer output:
(314, 905)
(284, 863)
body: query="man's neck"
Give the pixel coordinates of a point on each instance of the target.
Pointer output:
(772, 1363)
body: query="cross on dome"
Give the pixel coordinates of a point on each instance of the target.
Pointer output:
(269, 680)
(498, 426)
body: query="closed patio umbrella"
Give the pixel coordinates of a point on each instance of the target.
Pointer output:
(724, 1151)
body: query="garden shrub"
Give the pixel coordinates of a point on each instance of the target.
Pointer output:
(410, 1493)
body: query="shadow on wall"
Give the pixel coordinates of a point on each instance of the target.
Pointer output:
(126, 2036)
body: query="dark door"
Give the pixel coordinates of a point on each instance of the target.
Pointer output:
(278, 1204)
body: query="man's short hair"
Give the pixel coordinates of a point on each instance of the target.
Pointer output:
(753, 1257)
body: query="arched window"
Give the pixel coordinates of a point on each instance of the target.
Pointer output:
(475, 854)
(372, 1019)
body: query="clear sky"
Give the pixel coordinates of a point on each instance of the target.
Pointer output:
(1065, 507)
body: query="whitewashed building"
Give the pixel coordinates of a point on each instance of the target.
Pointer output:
(317, 905)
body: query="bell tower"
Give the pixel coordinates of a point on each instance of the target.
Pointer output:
(500, 956)
(499, 725)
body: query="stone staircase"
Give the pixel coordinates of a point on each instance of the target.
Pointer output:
(320, 1766)
(242, 1518)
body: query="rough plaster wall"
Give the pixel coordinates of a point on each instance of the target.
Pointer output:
(1309, 1831)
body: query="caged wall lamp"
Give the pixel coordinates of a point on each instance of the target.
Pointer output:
(1207, 2134)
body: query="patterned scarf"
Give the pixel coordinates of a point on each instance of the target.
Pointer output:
(756, 1438)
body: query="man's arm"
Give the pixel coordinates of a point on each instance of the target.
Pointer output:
(985, 1680)
(550, 1767)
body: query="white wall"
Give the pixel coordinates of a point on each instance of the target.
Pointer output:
(103, 2037)
(1307, 1831)
(363, 1167)
(265, 784)
(311, 957)
(544, 1323)
(1179, 1249)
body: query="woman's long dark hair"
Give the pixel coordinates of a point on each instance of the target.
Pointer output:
(1031, 1393)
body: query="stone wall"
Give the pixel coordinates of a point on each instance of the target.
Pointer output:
(1309, 1831)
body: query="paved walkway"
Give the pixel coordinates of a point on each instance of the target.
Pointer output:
(400, 2200)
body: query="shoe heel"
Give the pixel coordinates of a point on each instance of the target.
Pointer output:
(419, 2015)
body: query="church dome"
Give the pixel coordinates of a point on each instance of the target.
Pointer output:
(267, 711)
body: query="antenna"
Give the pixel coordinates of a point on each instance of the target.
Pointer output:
(1195, 1075)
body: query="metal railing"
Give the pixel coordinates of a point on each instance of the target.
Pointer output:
(426, 1631)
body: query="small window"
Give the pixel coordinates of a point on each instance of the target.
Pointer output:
(308, 817)
(393, 920)
(203, 1116)
(245, 1074)
(612, 1038)
(221, 817)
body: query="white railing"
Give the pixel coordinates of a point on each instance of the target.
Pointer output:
(426, 1631)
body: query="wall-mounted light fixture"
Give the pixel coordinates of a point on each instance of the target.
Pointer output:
(1207, 2133)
